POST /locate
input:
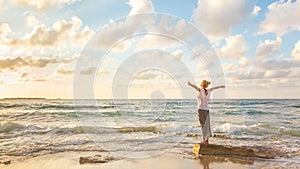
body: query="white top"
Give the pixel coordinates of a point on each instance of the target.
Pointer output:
(203, 99)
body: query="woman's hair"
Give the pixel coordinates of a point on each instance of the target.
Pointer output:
(205, 83)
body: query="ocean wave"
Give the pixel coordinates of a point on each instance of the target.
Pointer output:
(233, 112)
(249, 102)
(229, 128)
(112, 114)
(7, 105)
(295, 106)
(43, 106)
(255, 112)
(105, 130)
(10, 127)
(72, 106)
(290, 132)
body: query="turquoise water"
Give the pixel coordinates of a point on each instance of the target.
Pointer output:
(142, 128)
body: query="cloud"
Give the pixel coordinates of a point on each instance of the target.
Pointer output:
(256, 10)
(103, 72)
(217, 17)
(282, 17)
(140, 6)
(158, 75)
(88, 71)
(244, 62)
(85, 34)
(42, 4)
(55, 36)
(64, 71)
(31, 20)
(112, 33)
(154, 41)
(149, 75)
(259, 74)
(262, 70)
(267, 48)
(181, 29)
(5, 31)
(276, 64)
(235, 47)
(296, 51)
(14, 64)
(178, 54)
(23, 75)
(277, 73)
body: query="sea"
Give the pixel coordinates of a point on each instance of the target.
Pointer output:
(146, 127)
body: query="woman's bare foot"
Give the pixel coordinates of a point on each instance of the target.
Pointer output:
(206, 141)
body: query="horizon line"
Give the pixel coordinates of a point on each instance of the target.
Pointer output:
(44, 98)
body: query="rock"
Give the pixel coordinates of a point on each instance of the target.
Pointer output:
(96, 159)
(231, 151)
(5, 162)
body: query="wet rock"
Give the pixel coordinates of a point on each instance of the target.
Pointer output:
(5, 162)
(96, 159)
(231, 151)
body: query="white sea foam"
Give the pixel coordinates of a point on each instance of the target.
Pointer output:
(229, 128)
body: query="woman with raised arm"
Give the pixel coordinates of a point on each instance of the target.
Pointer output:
(203, 96)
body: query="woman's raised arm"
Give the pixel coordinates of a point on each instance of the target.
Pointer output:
(217, 87)
(194, 86)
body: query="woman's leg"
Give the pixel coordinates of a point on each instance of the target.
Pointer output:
(204, 120)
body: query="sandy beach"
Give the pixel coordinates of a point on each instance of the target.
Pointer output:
(68, 160)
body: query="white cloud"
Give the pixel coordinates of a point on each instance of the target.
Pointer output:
(140, 6)
(282, 17)
(217, 17)
(244, 62)
(84, 35)
(256, 10)
(276, 73)
(112, 33)
(270, 73)
(267, 48)
(41, 36)
(42, 4)
(31, 20)
(178, 54)
(180, 29)
(276, 64)
(154, 41)
(296, 51)
(148, 75)
(235, 47)
(5, 30)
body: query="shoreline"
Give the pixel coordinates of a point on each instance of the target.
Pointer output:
(70, 159)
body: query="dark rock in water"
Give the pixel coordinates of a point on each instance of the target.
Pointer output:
(230, 151)
(96, 159)
(5, 162)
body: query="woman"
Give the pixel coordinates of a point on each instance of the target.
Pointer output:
(203, 97)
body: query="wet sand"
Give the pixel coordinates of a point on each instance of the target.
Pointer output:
(68, 160)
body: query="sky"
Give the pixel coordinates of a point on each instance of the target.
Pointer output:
(150, 48)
